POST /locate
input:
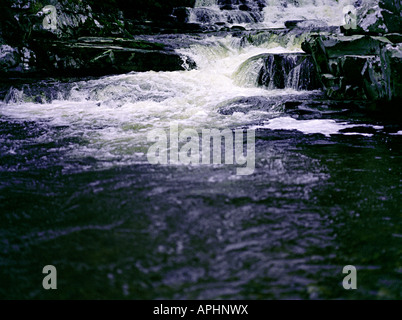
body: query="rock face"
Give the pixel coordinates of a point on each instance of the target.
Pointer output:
(357, 67)
(279, 71)
(364, 63)
(226, 14)
(102, 56)
(378, 16)
(295, 71)
(85, 37)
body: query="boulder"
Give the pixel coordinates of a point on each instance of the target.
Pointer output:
(279, 71)
(391, 58)
(289, 70)
(394, 37)
(334, 46)
(103, 56)
(377, 17)
(313, 25)
(358, 67)
(16, 60)
(181, 14)
(9, 57)
(361, 77)
(315, 46)
(392, 14)
(47, 37)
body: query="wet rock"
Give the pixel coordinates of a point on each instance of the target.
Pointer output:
(391, 58)
(333, 46)
(102, 56)
(377, 17)
(247, 104)
(16, 60)
(305, 106)
(244, 7)
(182, 14)
(292, 23)
(315, 46)
(358, 67)
(47, 37)
(279, 71)
(237, 28)
(9, 57)
(294, 71)
(394, 37)
(331, 81)
(370, 18)
(312, 25)
(227, 7)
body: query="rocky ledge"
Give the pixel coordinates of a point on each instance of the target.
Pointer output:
(365, 62)
(86, 37)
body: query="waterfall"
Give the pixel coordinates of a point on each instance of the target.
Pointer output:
(278, 71)
(205, 3)
(268, 13)
(277, 12)
(248, 73)
(234, 12)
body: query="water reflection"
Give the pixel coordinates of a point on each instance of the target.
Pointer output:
(167, 232)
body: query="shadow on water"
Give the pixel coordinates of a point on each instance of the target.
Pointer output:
(313, 205)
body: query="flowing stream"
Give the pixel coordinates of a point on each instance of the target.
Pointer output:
(77, 190)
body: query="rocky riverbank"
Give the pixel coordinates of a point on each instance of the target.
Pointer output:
(81, 38)
(365, 62)
(68, 38)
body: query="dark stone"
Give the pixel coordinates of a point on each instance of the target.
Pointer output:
(352, 67)
(237, 28)
(307, 24)
(391, 58)
(336, 46)
(302, 106)
(358, 67)
(244, 7)
(393, 21)
(182, 14)
(289, 71)
(92, 56)
(292, 23)
(330, 81)
(9, 57)
(41, 48)
(377, 17)
(227, 7)
(394, 37)
(315, 46)
(394, 6)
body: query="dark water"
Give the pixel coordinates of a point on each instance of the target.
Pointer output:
(314, 205)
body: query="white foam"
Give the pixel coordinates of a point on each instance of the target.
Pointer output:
(114, 114)
(276, 13)
(320, 126)
(205, 3)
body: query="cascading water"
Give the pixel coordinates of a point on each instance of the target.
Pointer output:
(268, 13)
(116, 113)
(331, 12)
(205, 3)
(77, 190)
(279, 71)
(233, 12)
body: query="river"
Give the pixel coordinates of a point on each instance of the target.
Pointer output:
(78, 192)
